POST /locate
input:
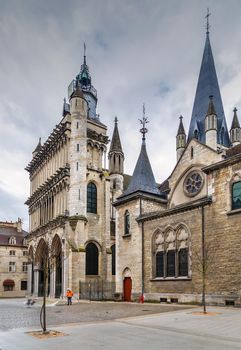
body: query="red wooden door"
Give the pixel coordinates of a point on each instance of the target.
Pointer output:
(127, 289)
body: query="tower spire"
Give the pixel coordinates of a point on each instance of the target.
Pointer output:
(208, 86)
(116, 155)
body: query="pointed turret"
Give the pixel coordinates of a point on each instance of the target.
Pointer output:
(38, 148)
(235, 131)
(207, 86)
(180, 139)
(143, 179)
(83, 79)
(116, 155)
(211, 125)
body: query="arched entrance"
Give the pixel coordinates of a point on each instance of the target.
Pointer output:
(57, 254)
(127, 285)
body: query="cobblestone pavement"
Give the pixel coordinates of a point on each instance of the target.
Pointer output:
(14, 313)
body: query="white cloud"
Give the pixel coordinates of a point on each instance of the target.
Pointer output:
(138, 51)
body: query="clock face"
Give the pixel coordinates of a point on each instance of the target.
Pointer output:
(193, 183)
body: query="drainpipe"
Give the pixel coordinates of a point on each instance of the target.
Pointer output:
(142, 257)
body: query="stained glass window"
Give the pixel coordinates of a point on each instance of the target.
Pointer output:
(159, 264)
(236, 195)
(91, 198)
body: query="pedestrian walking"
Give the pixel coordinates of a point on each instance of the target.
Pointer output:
(69, 295)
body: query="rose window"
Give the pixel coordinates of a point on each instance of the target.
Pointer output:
(193, 183)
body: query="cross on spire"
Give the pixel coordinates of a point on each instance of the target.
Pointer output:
(84, 53)
(207, 24)
(143, 122)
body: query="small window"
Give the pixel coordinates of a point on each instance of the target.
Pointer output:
(77, 166)
(24, 285)
(12, 252)
(12, 266)
(192, 152)
(91, 198)
(77, 147)
(127, 223)
(236, 195)
(25, 266)
(24, 241)
(25, 253)
(159, 264)
(77, 125)
(12, 240)
(113, 259)
(196, 134)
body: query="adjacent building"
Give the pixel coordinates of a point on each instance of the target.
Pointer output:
(168, 235)
(13, 260)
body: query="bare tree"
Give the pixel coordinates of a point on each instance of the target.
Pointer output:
(49, 257)
(204, 263)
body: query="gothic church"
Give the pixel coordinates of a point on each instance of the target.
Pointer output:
(148, 240)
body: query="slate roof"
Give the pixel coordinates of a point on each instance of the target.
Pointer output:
(142, 178)
(235, 122)
(181, 130)
(115, 141)
(7, 232)
(208, 86)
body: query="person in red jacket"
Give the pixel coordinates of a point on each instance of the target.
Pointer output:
(69, 295)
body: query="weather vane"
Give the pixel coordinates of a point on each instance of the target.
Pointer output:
(143, 122)
(207, 17)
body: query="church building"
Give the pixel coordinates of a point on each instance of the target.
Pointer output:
(174, 239)
(160, 242)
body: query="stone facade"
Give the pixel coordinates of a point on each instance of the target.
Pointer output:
(70, 201)
(191, 235)
(13, 260)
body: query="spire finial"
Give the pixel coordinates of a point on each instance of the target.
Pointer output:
(207, 24)
(143, 122)
(116, 120)
(84, 53)
(235, 109)
(181, 117)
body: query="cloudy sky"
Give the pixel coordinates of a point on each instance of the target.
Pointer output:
(137, 51)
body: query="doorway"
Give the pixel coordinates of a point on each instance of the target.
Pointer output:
(127, 284)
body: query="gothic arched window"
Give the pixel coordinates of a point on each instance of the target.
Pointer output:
(91, 259)
(196, 134)
(236, 195)
(12, 240)
(127, 223)
(113, 259)
(91, 198)
(171, 253)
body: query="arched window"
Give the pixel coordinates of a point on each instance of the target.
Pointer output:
(113, 259)
(171, 253)
(127, 223)
(91, 259)
(236, 195)
(12, 240)
(91, 198)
